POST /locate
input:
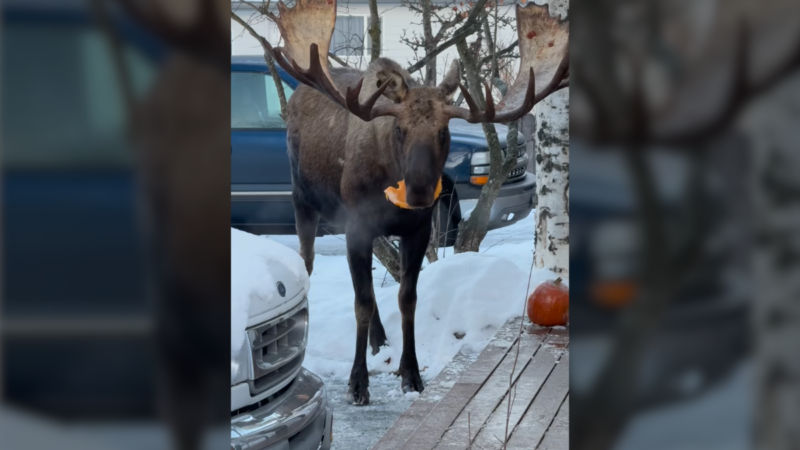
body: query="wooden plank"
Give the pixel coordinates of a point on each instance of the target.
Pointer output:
(523, 393)
(441, 402)
(557, 436)
(485, 401)
(434, 392)
(542, 411)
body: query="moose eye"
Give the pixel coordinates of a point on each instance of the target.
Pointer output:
(399, 132)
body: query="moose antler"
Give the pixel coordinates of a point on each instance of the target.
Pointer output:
(543, 43)
(310, 24)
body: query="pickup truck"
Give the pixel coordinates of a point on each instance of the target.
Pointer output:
(261, 184)
(275, 402)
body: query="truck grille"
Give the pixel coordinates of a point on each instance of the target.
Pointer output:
(516, 173)
(278, 348)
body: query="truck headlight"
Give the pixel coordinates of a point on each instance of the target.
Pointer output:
(480, 158)
(240, 364)
(480, 170)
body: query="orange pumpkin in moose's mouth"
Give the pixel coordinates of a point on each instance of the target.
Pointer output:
(397, 195)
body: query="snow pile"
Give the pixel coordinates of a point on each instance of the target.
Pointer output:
(461, 301)
(251, 279)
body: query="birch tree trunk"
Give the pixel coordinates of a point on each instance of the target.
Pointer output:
(776, 324)
(552, 174)
(552, 183)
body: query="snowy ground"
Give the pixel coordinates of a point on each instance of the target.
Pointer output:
(469, 293)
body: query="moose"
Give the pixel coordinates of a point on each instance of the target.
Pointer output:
(346, 150)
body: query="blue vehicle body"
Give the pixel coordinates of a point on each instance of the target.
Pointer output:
(261, 183)
(72, 250)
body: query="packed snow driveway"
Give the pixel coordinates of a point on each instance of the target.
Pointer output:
(462, 301)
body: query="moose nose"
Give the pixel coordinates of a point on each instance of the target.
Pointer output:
(421, 177)
(419, 195)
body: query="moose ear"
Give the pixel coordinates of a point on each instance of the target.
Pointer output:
(449, 84)
(397, 85)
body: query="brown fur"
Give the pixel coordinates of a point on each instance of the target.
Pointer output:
(341, 166)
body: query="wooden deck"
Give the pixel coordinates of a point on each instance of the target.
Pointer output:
(464, 407)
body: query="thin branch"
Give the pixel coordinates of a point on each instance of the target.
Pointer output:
(268, 58)
(470, 26)
(338, 60)
(500, 53)
(264, 9)
(445, 26)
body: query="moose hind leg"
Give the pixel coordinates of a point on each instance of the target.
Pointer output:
(412, 251)
(377, 335)
(306, 221)
(359, 256)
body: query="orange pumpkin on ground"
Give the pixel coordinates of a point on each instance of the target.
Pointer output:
(397, 195)
(548, 305)
(613, 294)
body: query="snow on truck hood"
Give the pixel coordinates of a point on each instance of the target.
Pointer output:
(257, 265)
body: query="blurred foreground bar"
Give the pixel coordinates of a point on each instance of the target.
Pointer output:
(115, 212)
(685, 124)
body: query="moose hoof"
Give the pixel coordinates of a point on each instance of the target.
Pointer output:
(357, 396)
(412, 382)
(376, 346)
(377, 338)
(358, 391)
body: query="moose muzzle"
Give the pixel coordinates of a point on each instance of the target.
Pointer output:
(422, 177)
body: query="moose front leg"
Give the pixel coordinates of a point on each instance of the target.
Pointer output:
(412, 251)
(359, 256)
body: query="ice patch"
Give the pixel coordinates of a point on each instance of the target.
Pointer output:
(394, 393)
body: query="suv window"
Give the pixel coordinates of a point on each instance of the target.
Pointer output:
(62, 105)
(254, 101)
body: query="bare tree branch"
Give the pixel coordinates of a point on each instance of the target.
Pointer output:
(500, 53)
(445, 26)
(374, 30)
(430, 44)
(268, 58)
(337, 59)
(263, 9)
(470, 26)
(487, 32)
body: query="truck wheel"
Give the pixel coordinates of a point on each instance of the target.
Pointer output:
(447, 217)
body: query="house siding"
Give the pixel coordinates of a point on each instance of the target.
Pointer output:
(395, 19)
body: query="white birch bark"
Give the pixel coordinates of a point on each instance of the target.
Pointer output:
(552, 183)
(776, 323)
(552, 174)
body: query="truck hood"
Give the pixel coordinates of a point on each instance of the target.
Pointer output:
(267, 279)
(471, 134)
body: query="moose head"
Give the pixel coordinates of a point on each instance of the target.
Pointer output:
(422, 113)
